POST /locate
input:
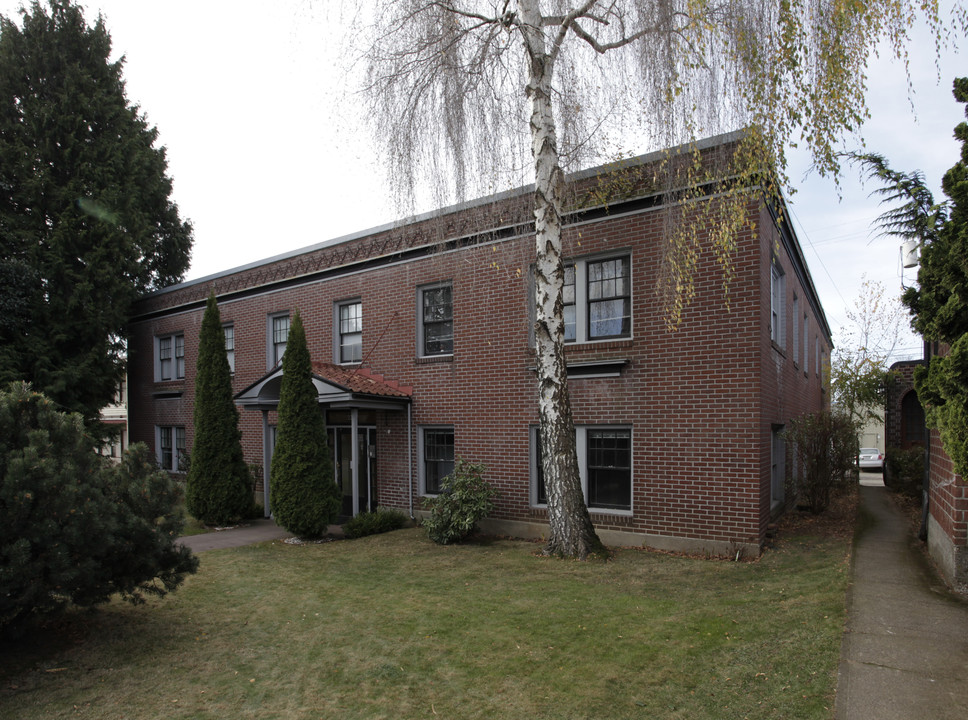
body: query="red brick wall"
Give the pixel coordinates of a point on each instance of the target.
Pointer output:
(701, 401)
(949, 495)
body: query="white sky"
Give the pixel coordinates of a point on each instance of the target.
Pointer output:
(245, 95)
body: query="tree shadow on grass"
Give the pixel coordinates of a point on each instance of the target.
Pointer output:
(54, 647)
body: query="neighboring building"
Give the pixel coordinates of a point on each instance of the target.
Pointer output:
(421, 339)
(947, 497)
(116, 416)
(872, 434)
(904, 417)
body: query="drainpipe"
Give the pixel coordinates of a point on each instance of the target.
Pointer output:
(266, 463)
(355, 458)
(926, 481)
(410, 454)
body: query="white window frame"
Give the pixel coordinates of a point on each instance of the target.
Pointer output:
(175, 435)
(421, 322)
(421, 446)
(273, 357)
(581, 444)
(777, 303)
(339, 334)
(228, 330)
(175, 367)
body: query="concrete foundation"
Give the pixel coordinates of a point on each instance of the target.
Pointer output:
(951, 560)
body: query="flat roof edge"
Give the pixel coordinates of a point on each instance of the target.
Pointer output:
(645, 159)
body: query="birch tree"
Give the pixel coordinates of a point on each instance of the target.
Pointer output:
(866, 346)
(473, 96)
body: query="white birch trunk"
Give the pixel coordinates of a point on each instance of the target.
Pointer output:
(571, 531)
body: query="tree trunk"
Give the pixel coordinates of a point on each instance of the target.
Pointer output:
(571, 531)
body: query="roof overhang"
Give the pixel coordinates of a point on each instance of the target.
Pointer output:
(264, 393)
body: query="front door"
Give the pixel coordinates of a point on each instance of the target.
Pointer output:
(342, 443)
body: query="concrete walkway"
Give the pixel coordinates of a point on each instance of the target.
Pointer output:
(252, 532)
(904, 653)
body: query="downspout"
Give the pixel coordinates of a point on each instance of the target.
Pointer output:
(926, 480)
(410, 454)
(266, 463)
(355, 459)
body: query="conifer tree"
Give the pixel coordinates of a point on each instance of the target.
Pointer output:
(76, 528)
(86, 220)
(303, 493)
(218, 490)
(940, 309)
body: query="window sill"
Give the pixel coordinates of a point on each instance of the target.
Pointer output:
(430, 359)
(622, 342)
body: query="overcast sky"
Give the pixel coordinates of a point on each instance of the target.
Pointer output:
(264, 161)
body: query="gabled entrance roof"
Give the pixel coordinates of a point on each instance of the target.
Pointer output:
(337, 387)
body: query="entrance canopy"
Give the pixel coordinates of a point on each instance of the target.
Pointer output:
(337, 387)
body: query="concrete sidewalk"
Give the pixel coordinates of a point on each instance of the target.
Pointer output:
(252, 532)
(905, 648)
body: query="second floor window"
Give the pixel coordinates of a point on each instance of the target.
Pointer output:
(350, 332)
(229, 331)
(170, 351)
(777, 304)
(436, 320)
(278, 337)
(597, 299)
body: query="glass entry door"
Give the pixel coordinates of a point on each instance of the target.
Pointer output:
(341, 439)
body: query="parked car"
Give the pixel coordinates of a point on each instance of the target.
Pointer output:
(870, 459)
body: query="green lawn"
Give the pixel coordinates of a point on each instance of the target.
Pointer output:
(392, 626)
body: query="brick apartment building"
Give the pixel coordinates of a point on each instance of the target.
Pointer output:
(420, 335)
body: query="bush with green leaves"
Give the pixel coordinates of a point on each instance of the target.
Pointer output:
(76, 528)
(303, 493)
(465, 498)
(904, 471)
(371, 523)
(826, 446)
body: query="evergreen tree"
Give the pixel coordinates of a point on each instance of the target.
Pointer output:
(86, 220)
(76, 528)
(305, 498)
(218, 489)
(939, 305)
(940, 308)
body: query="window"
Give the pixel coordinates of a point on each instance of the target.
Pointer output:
(778, 466)
(569, 298)
(605, 465)
(806, 344)
(609, 299)
(777, 304)
(436, 456)
(170, 443)
(229, 332)
(278, 336)
(170, 357)
(435, 326)
(597, 299)
(349, 332)
(796, 330)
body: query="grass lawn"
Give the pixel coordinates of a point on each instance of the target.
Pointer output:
(393, 626)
